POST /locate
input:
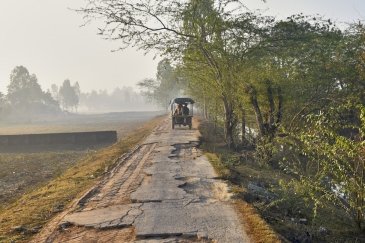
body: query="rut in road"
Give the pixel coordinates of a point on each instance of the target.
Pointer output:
(123, 180)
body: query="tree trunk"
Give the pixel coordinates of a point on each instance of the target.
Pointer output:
(256, 108)
(243, 126)
(270, 98)
(228, 123)
(279, 113)
(205, 110)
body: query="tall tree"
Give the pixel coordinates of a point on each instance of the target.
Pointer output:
(172, 27)
(69, 95)
(25, 97)
(165, 87)
(23, 88)
(55, 92)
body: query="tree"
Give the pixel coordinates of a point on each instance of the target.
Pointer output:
(77, 89)
(165, 87)
(55, 92)
(76, 97)
(325, 124)
(2, 104)
(25, 95)
(23, 88)
(302, 78)
(176, 28)
(69, 95)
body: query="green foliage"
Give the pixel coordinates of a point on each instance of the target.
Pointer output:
(331, 167)
(264, 152)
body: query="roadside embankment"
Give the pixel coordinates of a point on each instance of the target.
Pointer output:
(56, 141)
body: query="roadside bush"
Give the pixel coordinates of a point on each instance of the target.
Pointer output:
(330, 165)
(265, 152)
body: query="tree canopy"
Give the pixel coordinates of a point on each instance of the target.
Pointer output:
(25, 95)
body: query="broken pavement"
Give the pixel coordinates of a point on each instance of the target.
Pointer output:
(165, 190)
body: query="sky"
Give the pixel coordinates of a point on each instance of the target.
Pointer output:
(46, 37)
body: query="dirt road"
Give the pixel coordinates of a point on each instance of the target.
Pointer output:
(163, 191)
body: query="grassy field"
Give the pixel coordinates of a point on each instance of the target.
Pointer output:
(34, 187)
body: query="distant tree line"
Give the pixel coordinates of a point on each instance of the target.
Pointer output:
(298, 82)
(25, 99)
(120, 99)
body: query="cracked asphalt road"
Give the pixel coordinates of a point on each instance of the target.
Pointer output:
(165, 190)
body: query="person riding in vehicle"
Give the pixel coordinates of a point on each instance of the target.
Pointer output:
(179, 110)
(185, 110)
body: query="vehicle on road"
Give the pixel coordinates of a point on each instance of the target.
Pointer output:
(182, 111)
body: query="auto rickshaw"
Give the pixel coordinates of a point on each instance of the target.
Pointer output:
(182, 110)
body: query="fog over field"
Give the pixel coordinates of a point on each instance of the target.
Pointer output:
(57, 53)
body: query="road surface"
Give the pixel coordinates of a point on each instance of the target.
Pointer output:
(165, 190)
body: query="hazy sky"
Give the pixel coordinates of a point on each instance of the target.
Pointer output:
(45, 37)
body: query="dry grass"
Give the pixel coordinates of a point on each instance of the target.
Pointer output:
(257, 229)
(36, 208)
(217, 165)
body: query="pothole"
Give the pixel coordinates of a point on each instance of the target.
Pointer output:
(184, 149)
(174, 237)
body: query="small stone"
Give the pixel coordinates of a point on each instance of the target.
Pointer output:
(19, 229)
(202, 235)
(303, 221)
(322, 230)
(64, 225)
(36, 229)
(256, 189)
(58, 208)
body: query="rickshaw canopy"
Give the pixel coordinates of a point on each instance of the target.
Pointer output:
(182, 101)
